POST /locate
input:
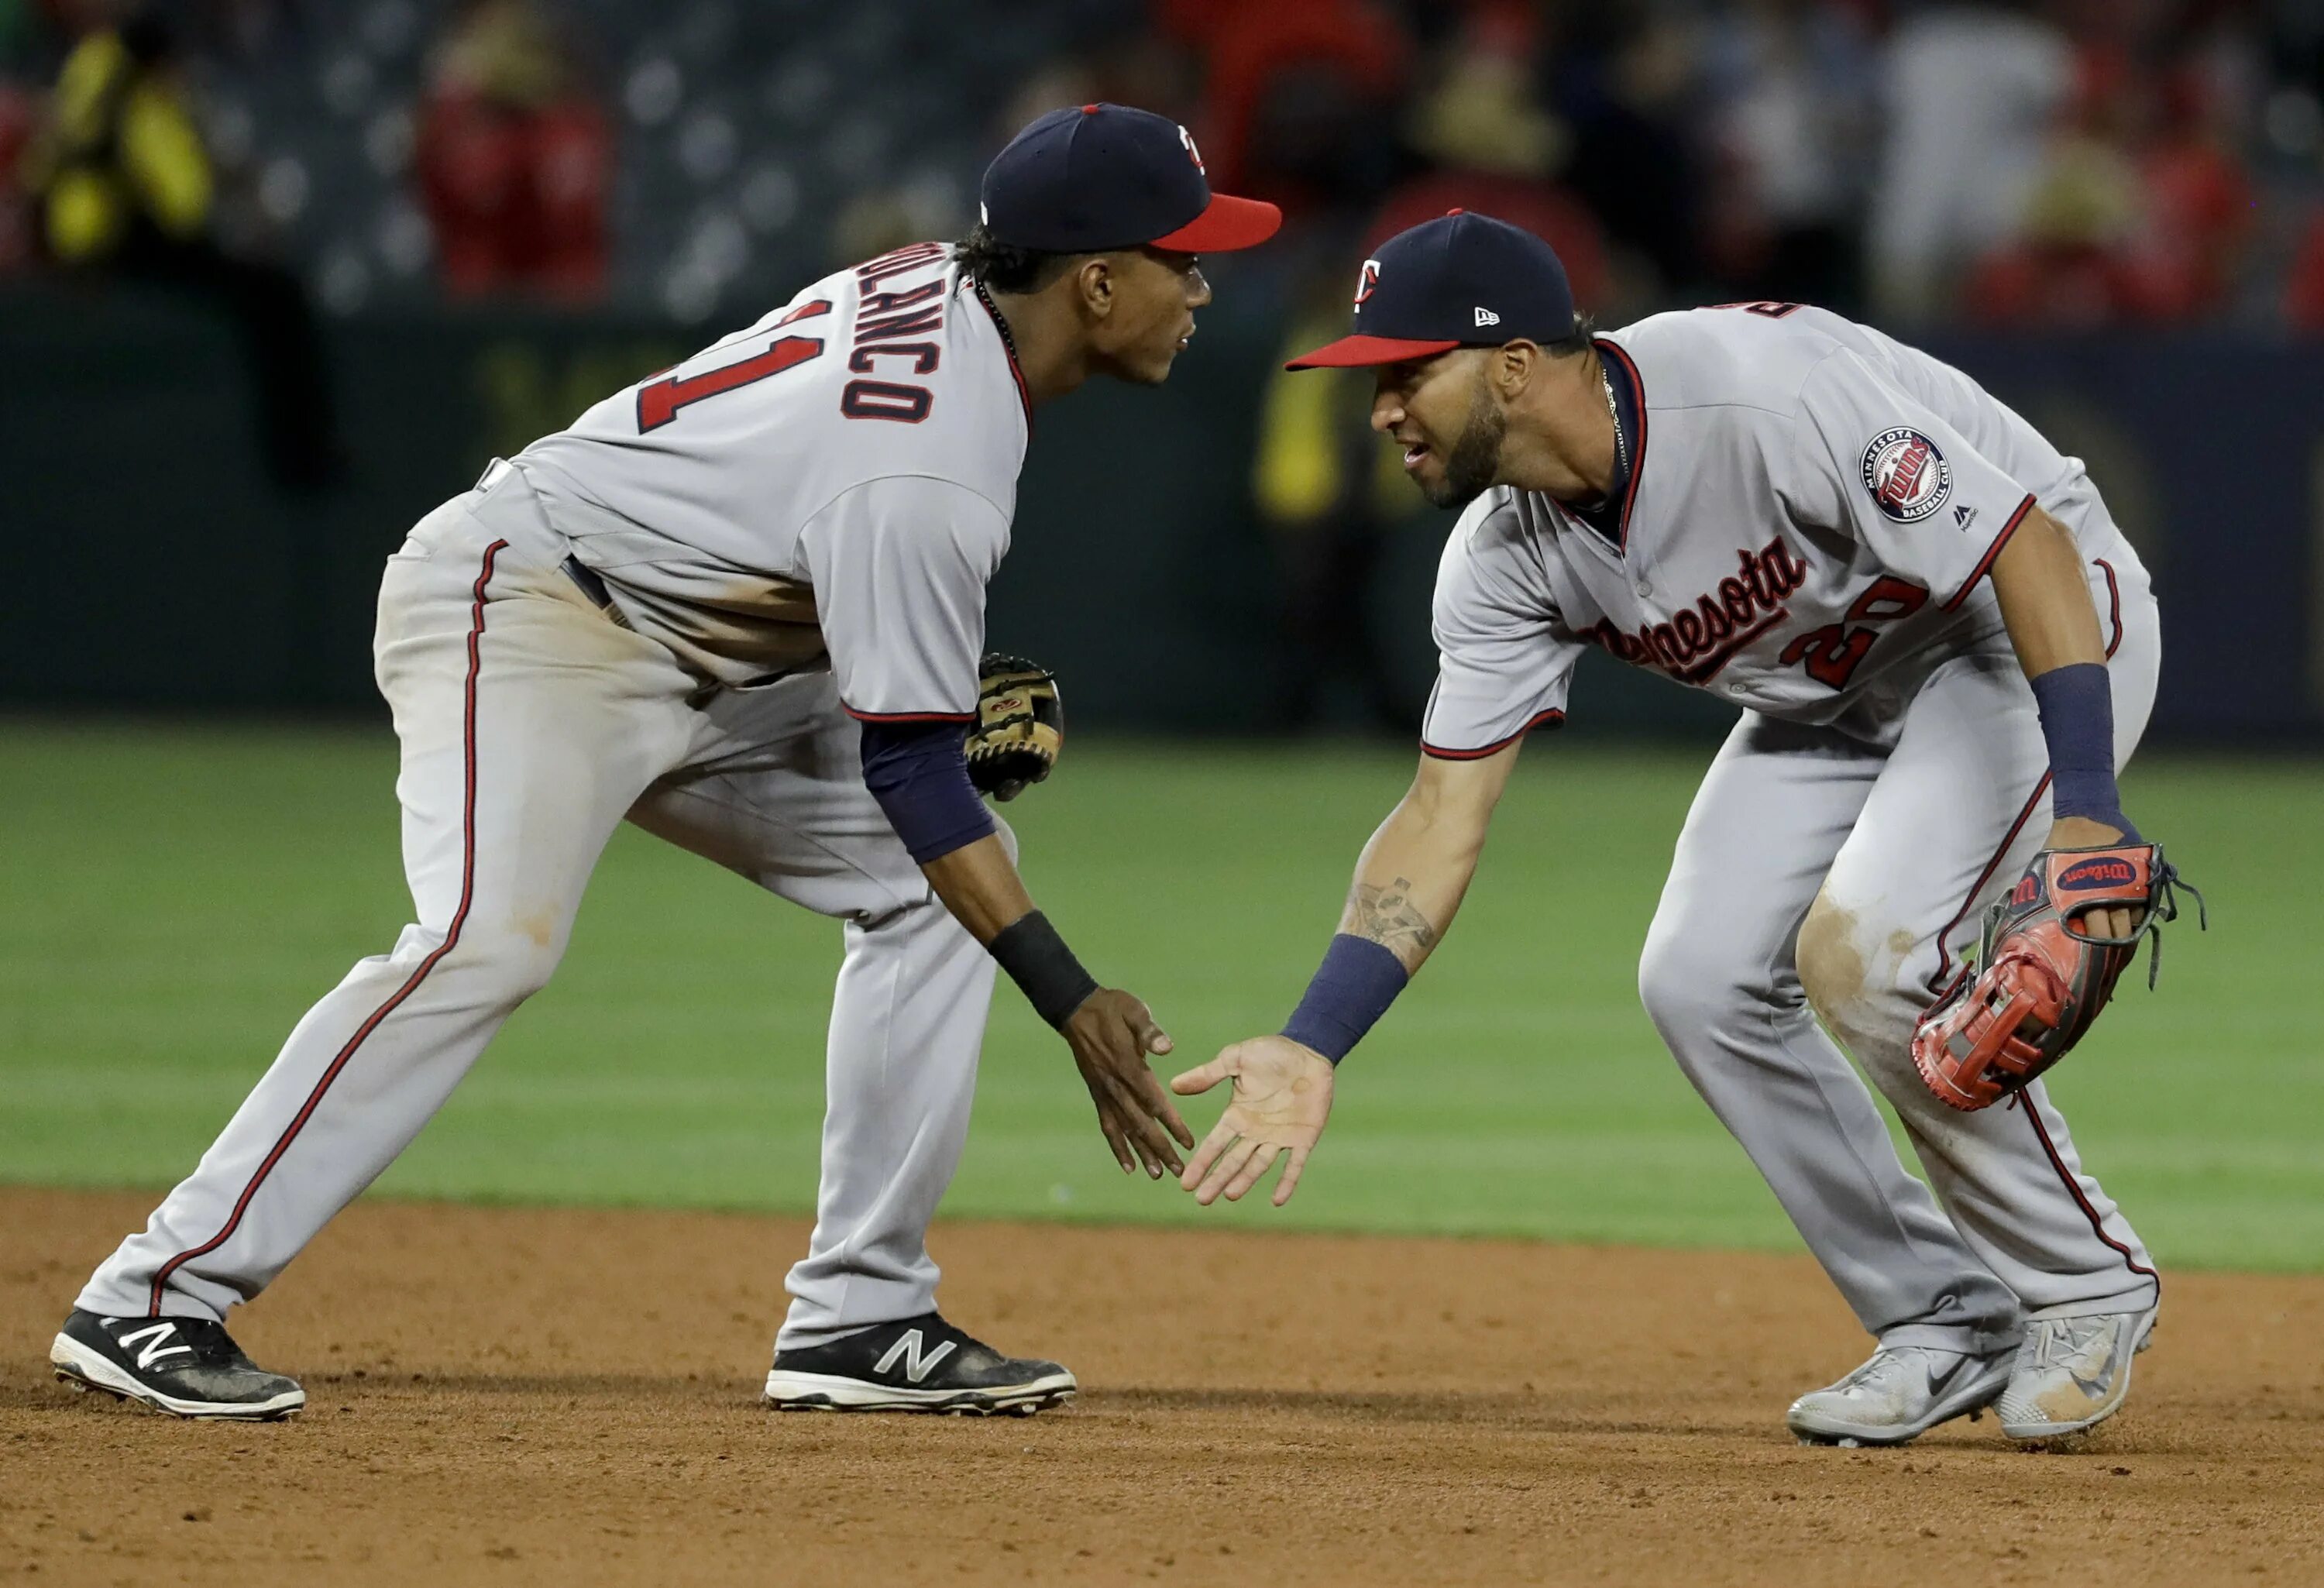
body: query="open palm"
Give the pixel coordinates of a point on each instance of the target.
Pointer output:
(1282, 1099)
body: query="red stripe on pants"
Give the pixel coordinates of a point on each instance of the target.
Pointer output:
(412, 984)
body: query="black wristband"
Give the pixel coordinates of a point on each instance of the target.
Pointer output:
(1038, 960)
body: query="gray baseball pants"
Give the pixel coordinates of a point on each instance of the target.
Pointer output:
(531, 726)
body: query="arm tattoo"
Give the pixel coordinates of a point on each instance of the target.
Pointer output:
(1387, 916)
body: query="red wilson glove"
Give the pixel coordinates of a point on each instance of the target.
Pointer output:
(2038, 982)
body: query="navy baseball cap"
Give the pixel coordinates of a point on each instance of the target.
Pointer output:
(1460, 280)
(1093, 178)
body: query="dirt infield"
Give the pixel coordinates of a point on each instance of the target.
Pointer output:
(515, 1396)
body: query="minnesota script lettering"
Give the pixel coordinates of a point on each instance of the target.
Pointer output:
(1700, 639)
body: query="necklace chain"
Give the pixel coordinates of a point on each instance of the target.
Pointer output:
(1621, 447)
(1001, 321)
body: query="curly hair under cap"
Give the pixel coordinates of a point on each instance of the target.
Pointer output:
(1003, 267)
(1577, 340)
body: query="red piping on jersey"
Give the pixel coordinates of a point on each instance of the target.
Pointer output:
(1944, 937)
(908, 717)
(411, 982)
(2074, 1188)
(1551, 718)
(1991, 552)
(1024, 392)
(2113, 606)
(1638, 462)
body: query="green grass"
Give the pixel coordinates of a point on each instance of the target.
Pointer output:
(177, 897)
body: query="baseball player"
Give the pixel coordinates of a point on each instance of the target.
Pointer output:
(1872, 558)
(742, 604)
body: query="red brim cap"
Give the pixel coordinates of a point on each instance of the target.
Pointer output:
(1360, 352)
(1227, 224)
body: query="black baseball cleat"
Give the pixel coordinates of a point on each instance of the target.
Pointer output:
(186, 1367)
(921, 1364)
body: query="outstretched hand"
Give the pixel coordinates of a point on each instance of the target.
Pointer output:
(1282, 1098)
(1111, 1035)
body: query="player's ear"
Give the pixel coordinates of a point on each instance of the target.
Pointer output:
(1094, 286)
(1513, 366)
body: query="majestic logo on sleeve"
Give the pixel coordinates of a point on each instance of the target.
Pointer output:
(1907, 475)
(1368, 283)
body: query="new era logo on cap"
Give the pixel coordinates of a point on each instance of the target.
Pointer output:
(1421, 294)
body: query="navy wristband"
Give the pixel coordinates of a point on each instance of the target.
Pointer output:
(2077, 707)
(1352, 988)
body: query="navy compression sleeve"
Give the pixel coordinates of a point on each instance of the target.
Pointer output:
(918, 773)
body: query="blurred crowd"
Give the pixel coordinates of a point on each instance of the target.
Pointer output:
(2053, 162)
(2021, 164)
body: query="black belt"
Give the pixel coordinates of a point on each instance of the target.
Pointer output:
(591, 585)
(587, 580)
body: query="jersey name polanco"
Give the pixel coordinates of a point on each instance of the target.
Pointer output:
(837, 482)
(1811, 505)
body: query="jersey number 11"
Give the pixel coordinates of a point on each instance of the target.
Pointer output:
(659, 400)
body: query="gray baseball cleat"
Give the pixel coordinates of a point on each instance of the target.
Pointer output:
(1899, 1395)
(186, 1367)
(2071, 1373)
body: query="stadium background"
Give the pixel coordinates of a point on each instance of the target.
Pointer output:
(392, 240)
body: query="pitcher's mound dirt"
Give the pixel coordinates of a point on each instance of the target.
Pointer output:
(516, 1397)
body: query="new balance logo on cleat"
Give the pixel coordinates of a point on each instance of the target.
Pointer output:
(907, 1347)
(153, 1343)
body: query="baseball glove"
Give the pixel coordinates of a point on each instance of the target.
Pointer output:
(1020, 728)
(2037, 982)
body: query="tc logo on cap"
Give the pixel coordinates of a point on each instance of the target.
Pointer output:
(1193, 153)
(1369, 282)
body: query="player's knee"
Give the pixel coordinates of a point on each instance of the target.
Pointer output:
(1831, 960)
(1689, 982)
(504, 967)
(1859, 972)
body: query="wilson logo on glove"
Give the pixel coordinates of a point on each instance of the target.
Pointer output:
(2097, 873)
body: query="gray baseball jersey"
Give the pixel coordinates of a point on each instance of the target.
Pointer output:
(837, 480)
(1802, 517)
(1807, 505)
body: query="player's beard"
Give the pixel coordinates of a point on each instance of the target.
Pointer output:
(1475, 461)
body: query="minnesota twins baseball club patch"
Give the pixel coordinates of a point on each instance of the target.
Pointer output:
(1906, 474)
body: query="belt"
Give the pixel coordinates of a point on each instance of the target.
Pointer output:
(593, 587)
(584, 577)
